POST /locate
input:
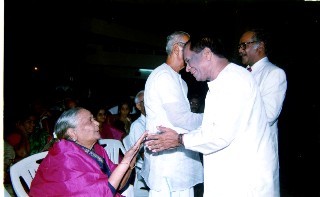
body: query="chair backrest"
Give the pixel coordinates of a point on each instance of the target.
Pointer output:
(127, 142)
(6, 193)
(113, 148)
(26, 169)
(138, 184)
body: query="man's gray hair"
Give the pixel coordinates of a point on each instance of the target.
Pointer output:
(136, 99)
(175, 37)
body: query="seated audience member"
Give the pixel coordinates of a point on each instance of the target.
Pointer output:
(77, 165)
(45, 118)
(8, 159)
(115, 109)
(123, 120)
(107, 131)
(137, 129)
(26, 139)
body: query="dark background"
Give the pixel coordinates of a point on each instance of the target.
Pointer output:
(54, 36)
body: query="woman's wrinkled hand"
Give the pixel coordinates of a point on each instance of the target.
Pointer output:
(133, 151)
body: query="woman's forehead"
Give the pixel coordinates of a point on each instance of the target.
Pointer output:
(83, 114)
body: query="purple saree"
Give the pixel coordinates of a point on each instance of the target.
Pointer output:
(68, 171)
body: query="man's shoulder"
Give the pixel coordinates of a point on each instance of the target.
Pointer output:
(268, 66)
(137, 122)
(273, 68)
(160, 69)
(159, 74)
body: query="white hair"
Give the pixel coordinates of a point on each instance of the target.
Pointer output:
(136, 99)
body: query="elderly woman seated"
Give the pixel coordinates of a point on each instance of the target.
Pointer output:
(77, 165)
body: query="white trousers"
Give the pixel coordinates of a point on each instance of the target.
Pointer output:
(165, 192)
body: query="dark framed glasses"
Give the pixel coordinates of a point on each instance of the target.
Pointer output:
(243, 45)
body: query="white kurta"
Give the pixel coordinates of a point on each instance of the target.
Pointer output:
(240, 150)
(166, 104)
(137, 128)
(272, 83)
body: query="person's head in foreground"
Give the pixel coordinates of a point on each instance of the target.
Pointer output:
(205, 57)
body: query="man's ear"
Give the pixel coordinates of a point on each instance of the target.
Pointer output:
(138, 106)
(262, 45)
(259, 46)
(72, 133)
(207, 53)
(176, 49)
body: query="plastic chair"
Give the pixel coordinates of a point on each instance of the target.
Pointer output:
(137, 185)
(113, 148)
(126, 142)
(26, 169)
(6, 193)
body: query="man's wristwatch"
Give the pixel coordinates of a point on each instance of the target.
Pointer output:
(180, 139)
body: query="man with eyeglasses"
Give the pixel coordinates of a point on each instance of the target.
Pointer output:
(240, 153)
(271, 79)
(173, 172)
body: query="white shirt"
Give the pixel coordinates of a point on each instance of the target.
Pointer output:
(272, 83)
(240, 151)
(166, 104)
(137, 128)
